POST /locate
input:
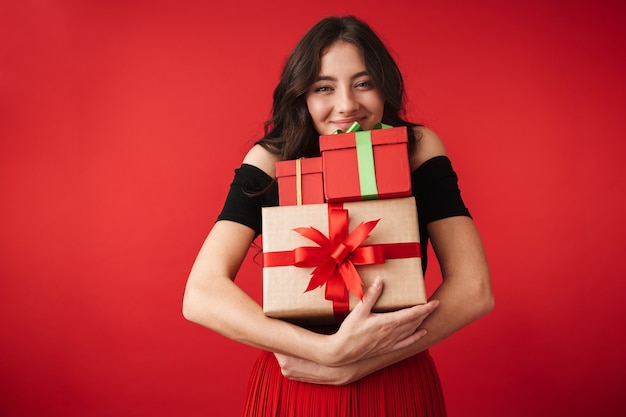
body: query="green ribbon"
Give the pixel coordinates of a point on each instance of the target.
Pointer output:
(365, 159)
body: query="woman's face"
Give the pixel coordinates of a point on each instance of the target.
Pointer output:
(343, 92)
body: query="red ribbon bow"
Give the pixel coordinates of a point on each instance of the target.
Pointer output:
(337, 254)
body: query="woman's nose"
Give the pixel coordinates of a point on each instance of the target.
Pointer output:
(346, 102)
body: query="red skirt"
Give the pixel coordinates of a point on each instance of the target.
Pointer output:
(407, 388)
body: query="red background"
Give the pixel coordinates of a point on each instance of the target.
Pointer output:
(121, 123)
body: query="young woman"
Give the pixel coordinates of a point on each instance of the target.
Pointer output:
(373, 364)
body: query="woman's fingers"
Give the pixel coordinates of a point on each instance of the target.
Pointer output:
(411, 318)
(400, 329)
(372, 294)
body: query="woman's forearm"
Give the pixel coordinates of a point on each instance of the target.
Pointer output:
(214, 301)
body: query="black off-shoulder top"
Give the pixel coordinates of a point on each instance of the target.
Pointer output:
(434, 184)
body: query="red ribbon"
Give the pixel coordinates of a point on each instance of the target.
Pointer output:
(335, 257)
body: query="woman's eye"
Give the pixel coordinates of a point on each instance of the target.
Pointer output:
(322, 89)
(364, 84)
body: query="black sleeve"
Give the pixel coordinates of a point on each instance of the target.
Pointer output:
(437, 195)
(250, 190)
(436, 190)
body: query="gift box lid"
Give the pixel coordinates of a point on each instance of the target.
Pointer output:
(379, 137)
(307, 166)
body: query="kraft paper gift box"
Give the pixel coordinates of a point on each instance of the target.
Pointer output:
(365, 165)
(300, 181)
(308, 258)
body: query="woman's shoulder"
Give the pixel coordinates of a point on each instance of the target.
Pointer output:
(428, 146)
(263, 159)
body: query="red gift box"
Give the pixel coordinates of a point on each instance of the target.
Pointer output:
(318, 258)
(366, 165)
(300, 181)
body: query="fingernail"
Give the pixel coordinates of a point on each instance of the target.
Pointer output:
(376, 283)
(434, 303)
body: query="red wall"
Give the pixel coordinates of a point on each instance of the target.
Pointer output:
(121, 123)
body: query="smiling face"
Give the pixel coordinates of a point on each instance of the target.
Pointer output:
(343, 92)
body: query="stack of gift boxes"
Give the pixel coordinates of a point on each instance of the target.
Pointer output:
(343, 219)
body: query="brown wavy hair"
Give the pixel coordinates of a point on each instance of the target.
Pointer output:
(290, 131)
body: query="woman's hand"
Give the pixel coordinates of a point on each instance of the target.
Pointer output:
(364, 334)
(303, 370)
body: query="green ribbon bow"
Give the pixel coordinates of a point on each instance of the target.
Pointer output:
(365, 159)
